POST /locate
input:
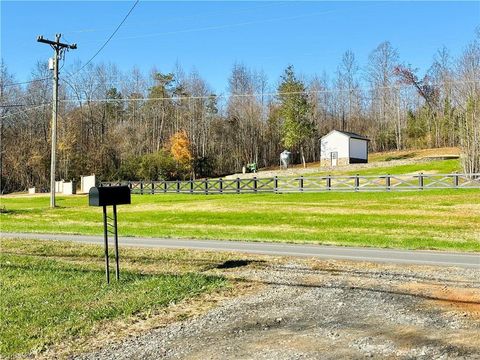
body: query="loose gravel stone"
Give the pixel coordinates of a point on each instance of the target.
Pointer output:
(326, 310)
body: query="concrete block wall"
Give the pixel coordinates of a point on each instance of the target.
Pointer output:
(328, 162)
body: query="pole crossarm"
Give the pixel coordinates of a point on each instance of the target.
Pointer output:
(57, 43)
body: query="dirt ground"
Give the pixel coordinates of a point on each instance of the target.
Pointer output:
(303, 309)
(300, 171)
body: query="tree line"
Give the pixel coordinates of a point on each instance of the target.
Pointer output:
(171, 125)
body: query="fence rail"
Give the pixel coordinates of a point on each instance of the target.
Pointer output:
(305, 184)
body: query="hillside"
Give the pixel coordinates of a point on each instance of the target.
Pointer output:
(429, 161)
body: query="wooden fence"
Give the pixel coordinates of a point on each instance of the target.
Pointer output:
(306, 184)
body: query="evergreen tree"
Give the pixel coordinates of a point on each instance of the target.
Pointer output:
(294, 110)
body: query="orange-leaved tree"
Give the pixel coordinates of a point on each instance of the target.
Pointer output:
(180, 150)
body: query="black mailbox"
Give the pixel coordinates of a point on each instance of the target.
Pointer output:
(105, 196)
(109, 195)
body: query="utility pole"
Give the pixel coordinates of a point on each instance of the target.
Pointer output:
(58, 49)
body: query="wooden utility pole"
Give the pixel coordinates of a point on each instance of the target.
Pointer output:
(58, 49)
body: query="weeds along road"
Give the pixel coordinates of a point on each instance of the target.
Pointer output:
(414, 257)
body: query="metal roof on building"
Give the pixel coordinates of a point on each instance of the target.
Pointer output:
(350, 134)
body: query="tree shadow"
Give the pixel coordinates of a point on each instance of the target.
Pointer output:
(374, 274)
(126, 276)
(230, 264)
(356, 288)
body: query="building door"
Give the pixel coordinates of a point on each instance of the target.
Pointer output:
(334, 158)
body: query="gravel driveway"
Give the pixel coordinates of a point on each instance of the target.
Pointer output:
(326, 310)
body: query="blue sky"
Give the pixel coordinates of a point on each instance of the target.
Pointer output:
(211, 36)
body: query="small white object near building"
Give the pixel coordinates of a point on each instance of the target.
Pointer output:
(285, 158)
(86, 183)
(31, 190)
(343, 148)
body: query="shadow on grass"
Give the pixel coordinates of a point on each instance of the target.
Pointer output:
(211, 264)
(6, 211)
(126, 276)
(206, 264)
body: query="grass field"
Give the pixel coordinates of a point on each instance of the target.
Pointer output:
(55, 292)
(428, 161)
(376, 168)
(433, 219)
(427, 167)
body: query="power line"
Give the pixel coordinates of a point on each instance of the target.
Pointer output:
(32, 81)
(106, 42)
(170, 19)
(12, 105)
(227, 26)
(268, 94)
(27, 82)
(89, 61)
(24, 110)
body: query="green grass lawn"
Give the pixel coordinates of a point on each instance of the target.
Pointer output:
(427, 166)
(55, 292)
(433, 219)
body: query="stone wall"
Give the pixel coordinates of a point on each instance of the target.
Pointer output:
(328, 162)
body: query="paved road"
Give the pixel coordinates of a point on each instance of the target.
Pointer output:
(439, 258)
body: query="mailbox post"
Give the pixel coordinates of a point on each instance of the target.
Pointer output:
(110, 196)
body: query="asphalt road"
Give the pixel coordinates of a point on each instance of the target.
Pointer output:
(439, 258)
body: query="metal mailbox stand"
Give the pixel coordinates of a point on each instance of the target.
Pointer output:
(106, 224)
(105, 196)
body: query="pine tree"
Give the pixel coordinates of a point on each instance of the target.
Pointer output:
(294, 110)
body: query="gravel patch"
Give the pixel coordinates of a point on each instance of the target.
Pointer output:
(329, 310)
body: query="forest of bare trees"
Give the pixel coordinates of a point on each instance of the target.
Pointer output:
(120, 125)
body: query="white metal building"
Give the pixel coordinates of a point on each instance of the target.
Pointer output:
(343, 148)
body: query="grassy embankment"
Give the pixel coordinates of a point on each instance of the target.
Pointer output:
(433, 219)
(419, 161)
(427, 167)
(380, 165)
(54, 293)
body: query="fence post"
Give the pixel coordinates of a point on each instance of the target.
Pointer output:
(455, 180)
(420, 181)
(357, 182)
(206, 186)
(329, 182)
(141, 187)
(191, 186)
(220, 185)
(255, 184)
(165, 186)
(301, 183)
(387, 182)
(275, 184)
(153, 188)
(178, 186)
(238, 185)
